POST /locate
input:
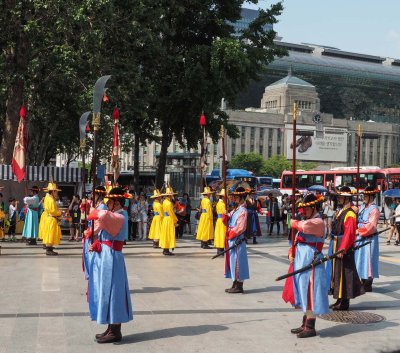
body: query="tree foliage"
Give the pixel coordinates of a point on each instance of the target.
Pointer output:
(275, 165)
(169, 61)
(253, 162)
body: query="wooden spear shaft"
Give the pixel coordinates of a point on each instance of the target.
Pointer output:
(294, 173)
(224, 166)
(358, 160)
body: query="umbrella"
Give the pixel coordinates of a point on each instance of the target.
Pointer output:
(319, 188)
(392, 193)
(266, 192)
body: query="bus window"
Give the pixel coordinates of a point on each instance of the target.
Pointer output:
(264, 182)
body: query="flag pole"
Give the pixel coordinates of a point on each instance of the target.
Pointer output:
(358, 160)
(224, 166)
(98, 93)
(293, 172)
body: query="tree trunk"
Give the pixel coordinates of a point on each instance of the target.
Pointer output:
(17, 63)
(162, 160)
(136, 163)
(14, 101)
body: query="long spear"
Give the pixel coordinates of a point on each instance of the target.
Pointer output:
(318, 262)
(224, 165)
(82, 137)
(358, 160)
(98, 93)
(293, 173)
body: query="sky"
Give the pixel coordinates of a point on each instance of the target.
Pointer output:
(359, 26)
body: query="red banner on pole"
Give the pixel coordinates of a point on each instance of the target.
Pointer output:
(18, 164)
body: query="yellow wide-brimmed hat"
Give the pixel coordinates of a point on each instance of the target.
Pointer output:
(169, 191)
(51, 187)
(207, 191)
(221, 193)
(156, 195)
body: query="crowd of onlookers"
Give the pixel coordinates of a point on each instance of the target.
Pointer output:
(277, 211)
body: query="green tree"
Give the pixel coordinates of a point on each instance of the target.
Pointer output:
(200, 61)
(275, 165)
(253, 162)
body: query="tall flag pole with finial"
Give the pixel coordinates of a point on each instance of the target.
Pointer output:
(203, 165)
(358, 159)
(224, 165)
(116, 150)
(18, 163)
(98, 94)
(83, 125)
(288, 289)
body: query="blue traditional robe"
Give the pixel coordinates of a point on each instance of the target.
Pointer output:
(109, 295)
(31, 225)
(367, 257)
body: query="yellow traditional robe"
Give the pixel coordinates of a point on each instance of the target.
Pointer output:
(205, 230)
(51, 229)
(220, 227)
(167, 238)
(155, 228)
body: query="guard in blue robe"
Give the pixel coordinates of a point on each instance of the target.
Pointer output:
(109, 295)
(31, 225)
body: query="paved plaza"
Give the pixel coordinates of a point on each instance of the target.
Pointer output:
(180, 304)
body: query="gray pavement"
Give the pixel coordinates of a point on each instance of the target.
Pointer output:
(180, 304)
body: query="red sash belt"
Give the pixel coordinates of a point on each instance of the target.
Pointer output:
(34, 209)
(116, 245)
(316, 245)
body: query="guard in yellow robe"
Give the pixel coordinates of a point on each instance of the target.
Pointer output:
(205, 230)
(220, 227)
(158, 215)
(51, 230)
(169, 222)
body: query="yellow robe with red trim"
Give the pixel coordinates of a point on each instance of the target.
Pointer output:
(205, 230)
(51, 230)
(220, 227)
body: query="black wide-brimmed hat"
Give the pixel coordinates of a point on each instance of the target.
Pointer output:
(118, 193)
(344, 191)
(370, 190)
(100, 189)
(239, 191)
(310, 200)
(35, 188)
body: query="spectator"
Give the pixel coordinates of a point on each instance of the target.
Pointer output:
(180, 211)
(275, 214)
(328, 213)
(134, 217)
(12, 218)
(143, 208)
(284, 215)
(74, 211)
(188, 213)
(397, 212)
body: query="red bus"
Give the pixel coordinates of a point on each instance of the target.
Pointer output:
(373, 176)
(392, 178)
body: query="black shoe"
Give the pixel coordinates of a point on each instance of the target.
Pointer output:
(114, 335)
(301, 328)
(342, 306)
(334, 304)
(309, 329)
(237, 289)
(100, 335)
(396, 243)
(50, 251)
(233, 286)
(255, 241)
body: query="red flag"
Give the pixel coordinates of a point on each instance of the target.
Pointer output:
(116, 151)
(18, 162)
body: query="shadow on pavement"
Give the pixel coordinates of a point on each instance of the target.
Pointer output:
(376, 305)
(348, 329)
(154, 290)
(263, 290)
(172, 332)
